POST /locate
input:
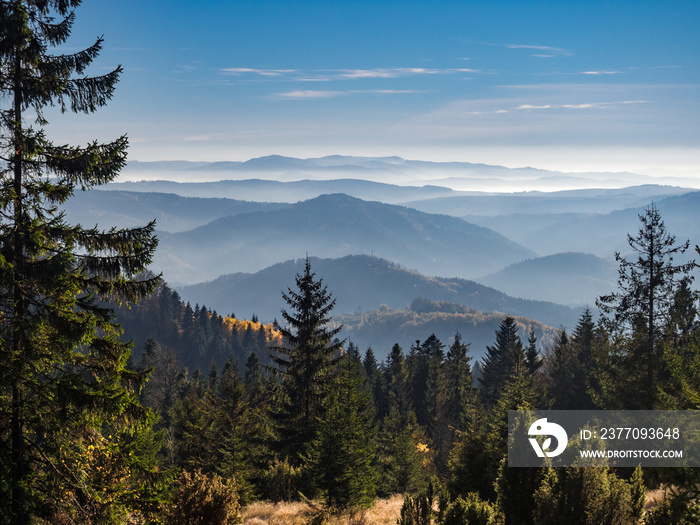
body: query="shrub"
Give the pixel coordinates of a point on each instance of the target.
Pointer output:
(281, 481)
(469, 511)
(203, 500)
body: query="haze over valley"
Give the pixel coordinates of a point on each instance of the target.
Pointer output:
(235, 242)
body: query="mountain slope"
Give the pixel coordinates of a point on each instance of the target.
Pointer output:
(601, 234)
(334, 226)
(360, 283)
(383, 328)
(173, 213)
(535, 203)
(564, 278)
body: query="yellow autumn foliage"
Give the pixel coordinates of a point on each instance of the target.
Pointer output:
(241, 326)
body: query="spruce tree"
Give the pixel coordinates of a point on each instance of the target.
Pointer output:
(533, 361)
(501, 361)
(396, 378)
(584, 342)
(647, 284)
(344, 452)
(403, 443)
(232, 430)
(375, 379)
(305, 364)
(459, 383)
(63, 382)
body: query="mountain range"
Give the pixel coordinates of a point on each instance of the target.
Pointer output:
(362, 283)
(542, 247)
(601, 234)
(334, 226)
(173, 213)
(394, 170)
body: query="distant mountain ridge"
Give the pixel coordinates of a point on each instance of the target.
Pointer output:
(600, 234)
(575, 279)
(259, 190)
(173, 213)
(361, 283)
(456, 175)
(383, 328)
(334, 226)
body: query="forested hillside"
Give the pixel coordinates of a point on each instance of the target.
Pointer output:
(196, 336)
(384, 327)
(364, 283)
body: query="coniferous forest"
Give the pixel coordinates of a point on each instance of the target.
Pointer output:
(121, 403)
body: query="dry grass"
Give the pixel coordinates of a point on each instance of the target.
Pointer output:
(384, 512)
(654, 497)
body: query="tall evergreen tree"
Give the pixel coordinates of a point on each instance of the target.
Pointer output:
(375, 379)
(403, 443)
(584, 341)
(421, 379)
(232, 430)
(459, 383)
(344, 451)
(642, 305)
(396, 377)
(435, 400)
(533, 361)
(562, 372)
(501, 361)
(305, 363)
(62, 375)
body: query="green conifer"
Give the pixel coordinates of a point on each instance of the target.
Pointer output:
(63, 381)
(344, 452)
(305, 364)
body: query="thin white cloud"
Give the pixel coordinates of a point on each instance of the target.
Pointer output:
(262, 72)
(549, 51)
(309, 94)
(390, 91)
(343, 74)
(317, 94)
(588, 105)
(601, 72)
(398, 72)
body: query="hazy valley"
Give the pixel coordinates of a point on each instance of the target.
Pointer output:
(235, 245)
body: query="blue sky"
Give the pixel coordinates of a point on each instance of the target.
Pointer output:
(568, 85)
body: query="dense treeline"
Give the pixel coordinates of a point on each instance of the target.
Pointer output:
(196, 336)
